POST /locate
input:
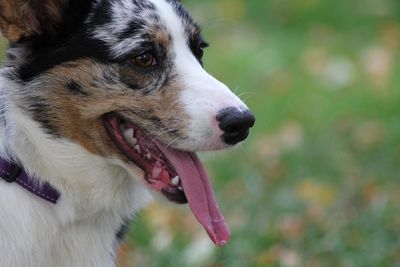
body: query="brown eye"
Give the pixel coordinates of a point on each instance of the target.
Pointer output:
(145, 60)
(200, 52)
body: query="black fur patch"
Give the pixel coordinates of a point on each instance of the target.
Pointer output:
(111, 77)
(131, 85)
(41, 111)
(123, 230)
(69, 42)
(75, 88)
(80, 46)
(102, 13)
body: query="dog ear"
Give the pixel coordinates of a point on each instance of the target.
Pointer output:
(26, 18)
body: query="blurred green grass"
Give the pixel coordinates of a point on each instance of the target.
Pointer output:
(316, 184)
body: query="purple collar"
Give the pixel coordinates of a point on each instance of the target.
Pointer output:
(11, 172)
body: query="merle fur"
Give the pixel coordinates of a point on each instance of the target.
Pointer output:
(73, 39)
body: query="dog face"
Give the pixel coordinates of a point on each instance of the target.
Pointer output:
(138, 59)
(124, 79)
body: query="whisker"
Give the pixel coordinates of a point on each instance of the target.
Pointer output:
(235, 90)
(168, 145)
(246, 98)
(245, 94)
(160, 134)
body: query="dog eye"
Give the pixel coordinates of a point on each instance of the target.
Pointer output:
(144, 60)
(199, 52)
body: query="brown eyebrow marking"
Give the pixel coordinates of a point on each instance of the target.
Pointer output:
(160, 35)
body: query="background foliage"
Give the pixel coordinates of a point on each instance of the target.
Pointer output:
(317, 183)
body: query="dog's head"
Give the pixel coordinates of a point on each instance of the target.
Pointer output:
(124, 79)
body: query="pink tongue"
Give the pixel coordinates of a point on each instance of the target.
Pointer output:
(199, 194)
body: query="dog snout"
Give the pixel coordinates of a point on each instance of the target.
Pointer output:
(235, 124)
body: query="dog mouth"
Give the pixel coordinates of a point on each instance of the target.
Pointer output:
(177, 175)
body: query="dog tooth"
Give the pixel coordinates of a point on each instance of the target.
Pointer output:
(148, 156)
(175, 180)
(131, 131)
(180, 188)
(132, 141)
(128, 133)
(137, 148)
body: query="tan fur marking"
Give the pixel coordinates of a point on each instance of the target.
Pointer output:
(161, 37)
(79, 117)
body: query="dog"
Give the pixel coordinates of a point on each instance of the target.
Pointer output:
(103, 104)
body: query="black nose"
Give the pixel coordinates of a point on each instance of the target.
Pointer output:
(235, 123)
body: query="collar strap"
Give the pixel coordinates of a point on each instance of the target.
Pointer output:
(12, 173)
